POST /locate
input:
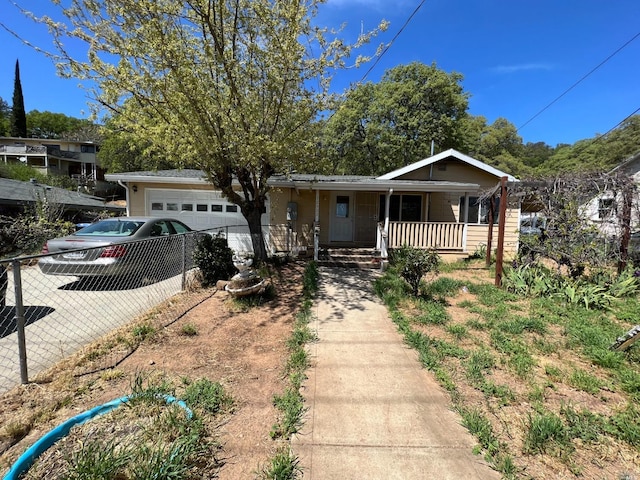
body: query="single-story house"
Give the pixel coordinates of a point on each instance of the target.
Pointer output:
(435, 202)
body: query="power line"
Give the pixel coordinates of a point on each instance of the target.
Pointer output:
(386, 49)
(579, 81)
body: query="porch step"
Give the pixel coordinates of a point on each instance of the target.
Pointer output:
(349, 257)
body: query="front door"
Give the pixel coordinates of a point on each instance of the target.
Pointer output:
(366, 218)
(342, 217)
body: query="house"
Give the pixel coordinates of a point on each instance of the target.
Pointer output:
(76, 159)
(605, 209)
(16, 196)
(435, 202)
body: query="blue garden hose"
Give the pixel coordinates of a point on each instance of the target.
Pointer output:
(45, 442)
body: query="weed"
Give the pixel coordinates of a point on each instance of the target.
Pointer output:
(458, 331)
(208, 395)
(491, 295)
(444, 287)
(553, 372)
(98, 460)
(298, 360)
(522, 363)
(291, 404)
(585, 381)
(143, 331)
(282, 466)
(433, 313)
(585, 425)
(625, 425)
(189, 330)
(545, 431)
(112, 374)
(16, 430)
(478, 364)
(480, 427)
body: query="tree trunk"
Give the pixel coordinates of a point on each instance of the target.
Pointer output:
(257, 239)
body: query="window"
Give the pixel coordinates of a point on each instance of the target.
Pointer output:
(402, 208)
(157, 206)
(232, 208)
(172, 207)
(187, 207)
(216, 207)
(180, 227)
(342, 206)
(88, 148)
(201, 207)
(479, 212)
(606, 207)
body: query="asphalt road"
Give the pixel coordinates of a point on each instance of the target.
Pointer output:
(64, 313)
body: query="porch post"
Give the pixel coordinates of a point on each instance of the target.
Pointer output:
(466, 221)
(316, 228)
(384, 253)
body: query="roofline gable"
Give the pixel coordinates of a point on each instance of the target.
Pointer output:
(441, 156)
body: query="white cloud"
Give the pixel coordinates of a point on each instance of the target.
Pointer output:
(521, 67)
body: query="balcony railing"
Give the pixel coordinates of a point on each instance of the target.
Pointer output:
(23, 149)
(441, 235)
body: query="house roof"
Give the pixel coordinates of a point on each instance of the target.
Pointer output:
(302, 181)
(362, 183)
(451, 153)
(16, 192)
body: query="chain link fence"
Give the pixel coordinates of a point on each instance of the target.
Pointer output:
(84, 294)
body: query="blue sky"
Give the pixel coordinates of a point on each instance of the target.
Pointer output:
(516, 56)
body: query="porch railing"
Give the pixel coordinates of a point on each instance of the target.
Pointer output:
(441, 235)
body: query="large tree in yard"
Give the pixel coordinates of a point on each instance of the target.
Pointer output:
(382, 126)
(227, 86)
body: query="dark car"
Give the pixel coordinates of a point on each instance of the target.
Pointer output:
(115, 247)
(4, 280)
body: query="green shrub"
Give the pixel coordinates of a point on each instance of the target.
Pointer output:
(413, 264)
(214, 258)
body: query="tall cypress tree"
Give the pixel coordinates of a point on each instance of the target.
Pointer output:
(18, 115)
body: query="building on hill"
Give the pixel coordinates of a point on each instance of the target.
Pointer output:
(76, 159)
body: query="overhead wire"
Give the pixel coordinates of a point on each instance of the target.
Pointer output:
(388, 46)
(579, 81)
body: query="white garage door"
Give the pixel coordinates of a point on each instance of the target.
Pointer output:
(203, 210)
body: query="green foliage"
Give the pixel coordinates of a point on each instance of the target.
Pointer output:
(207, 395)
(214, 258)
(97, 459)
(475, 421)
(52, 125)
(379, 127)
(18, 121)
(282, 466)
(545, 431)
(413, 264)
(27, 234)
(583, 424)
(585, 381)
(291, 404)
(625, 425)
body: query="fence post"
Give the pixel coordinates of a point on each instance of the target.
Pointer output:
(184, 261)
(20, 321)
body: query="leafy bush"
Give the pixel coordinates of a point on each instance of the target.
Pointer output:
(413, 264)
(27, 234)
(214, 258)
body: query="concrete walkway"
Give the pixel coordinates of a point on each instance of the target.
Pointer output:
(374, 411)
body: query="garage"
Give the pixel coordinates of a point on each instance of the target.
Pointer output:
(203, 210)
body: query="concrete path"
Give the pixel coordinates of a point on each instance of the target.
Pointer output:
(374, 411)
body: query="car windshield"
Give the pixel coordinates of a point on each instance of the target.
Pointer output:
(112, 228)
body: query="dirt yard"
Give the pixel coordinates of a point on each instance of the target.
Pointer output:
(242, 348)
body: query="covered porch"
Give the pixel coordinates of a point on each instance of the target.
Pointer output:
(378, 215)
